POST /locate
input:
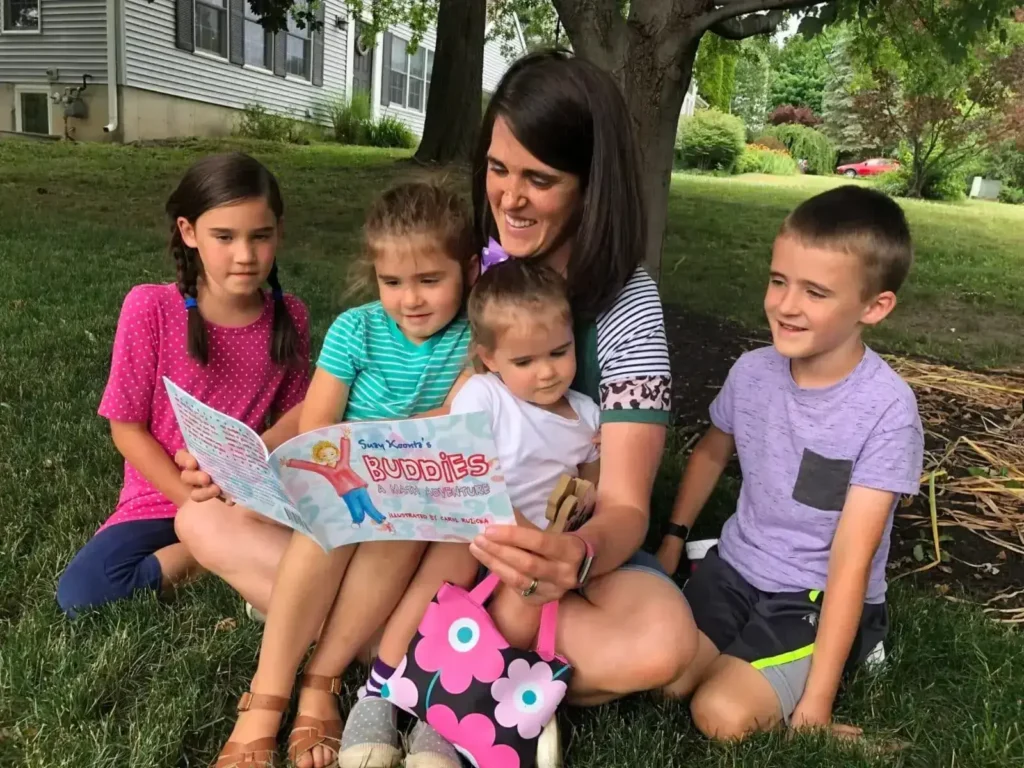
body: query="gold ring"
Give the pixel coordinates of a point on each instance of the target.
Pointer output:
(530, 589)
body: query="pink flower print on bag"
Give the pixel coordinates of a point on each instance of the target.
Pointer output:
(488, 699)
(400, 690)
(460, 641)
(523, 696)
(473, 736)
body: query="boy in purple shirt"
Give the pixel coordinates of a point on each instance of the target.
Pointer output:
(828, 439)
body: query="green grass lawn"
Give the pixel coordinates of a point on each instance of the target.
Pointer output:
(153, 684)
(963, 301)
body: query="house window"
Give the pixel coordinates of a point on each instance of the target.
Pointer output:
(33, 112)
(259, 44)
(409, 76)
(212, 27)
(299, 61)
(21, 15)
(430, 71)
(417, 79)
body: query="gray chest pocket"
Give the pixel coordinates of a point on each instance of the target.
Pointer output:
(822, 483)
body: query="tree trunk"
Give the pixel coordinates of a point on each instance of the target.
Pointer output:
(454, 102)
(654, 94)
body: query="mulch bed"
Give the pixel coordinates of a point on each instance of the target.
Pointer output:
(968, 544)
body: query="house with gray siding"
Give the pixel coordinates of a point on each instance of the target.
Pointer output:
(128, 70)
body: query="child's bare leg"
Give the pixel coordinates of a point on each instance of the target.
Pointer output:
(177, 566)
(734, 701)
(370, 738)
(237, 544)
(306, 587)
(443, 562)
(373, 585)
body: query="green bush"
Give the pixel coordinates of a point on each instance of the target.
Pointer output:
(391, 132)
(710, 140)
(1011, 195)
(949, 185)
(771, 143)
(809, 144)
(760, 159)
(258, 122)
(350, 118)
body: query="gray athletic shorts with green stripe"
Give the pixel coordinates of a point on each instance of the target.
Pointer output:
(775, 632)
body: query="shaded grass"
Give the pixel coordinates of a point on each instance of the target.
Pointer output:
(154, 684)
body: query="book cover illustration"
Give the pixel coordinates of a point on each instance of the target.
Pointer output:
(433, 479)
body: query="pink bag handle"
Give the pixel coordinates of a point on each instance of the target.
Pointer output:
(548, 615)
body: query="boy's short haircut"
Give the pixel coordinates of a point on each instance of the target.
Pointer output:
(862, 222)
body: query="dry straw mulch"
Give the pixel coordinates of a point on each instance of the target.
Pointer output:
(974, 465)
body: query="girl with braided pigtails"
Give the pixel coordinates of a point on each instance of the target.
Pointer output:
(217, 334)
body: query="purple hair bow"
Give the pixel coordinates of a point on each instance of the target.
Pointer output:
(492, 254)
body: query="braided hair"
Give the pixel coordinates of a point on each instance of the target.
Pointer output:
(211, 182)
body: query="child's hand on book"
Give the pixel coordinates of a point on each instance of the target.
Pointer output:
(203, 487)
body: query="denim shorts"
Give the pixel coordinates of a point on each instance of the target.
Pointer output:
(641, 561)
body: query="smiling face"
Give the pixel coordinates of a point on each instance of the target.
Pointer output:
(237, 244)
(421, 287)
(816, 301)
(531, 203)
(534, 354)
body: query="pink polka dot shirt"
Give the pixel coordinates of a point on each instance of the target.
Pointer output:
(240, 379)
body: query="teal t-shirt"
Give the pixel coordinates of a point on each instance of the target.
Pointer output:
(390, 377)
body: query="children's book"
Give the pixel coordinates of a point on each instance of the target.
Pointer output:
(431, 479)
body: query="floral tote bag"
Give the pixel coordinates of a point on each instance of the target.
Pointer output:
(460, 675)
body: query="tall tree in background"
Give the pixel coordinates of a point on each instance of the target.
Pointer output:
(801, 71)
(754, 75)
(453, 104)
(715, 71)
(944, 111)
(841, 122)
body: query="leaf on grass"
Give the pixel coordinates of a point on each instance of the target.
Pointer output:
(918, 552)
(945, 569)
(90, 336)
(226, 624)
(977, 472)
(944, 556)
(1001, 555)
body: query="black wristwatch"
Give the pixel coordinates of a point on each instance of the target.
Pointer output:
(677, 530)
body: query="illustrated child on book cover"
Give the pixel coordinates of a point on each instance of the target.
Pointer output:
(331, 462)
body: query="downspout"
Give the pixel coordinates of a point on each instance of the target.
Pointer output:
(111, 67)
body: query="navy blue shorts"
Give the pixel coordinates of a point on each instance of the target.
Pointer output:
(114, 564)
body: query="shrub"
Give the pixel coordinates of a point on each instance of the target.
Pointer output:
(391, 132)
(1011, 195)
(710, 140)
(350, 118)
(258, 122)
(761, 159)
(809, 144)
(949, 184)
(770, 142)
(788, 114)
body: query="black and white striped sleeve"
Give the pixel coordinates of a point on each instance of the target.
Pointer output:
(632, 352)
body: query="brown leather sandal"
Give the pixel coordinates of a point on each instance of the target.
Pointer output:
(259, 753)
(310, 732)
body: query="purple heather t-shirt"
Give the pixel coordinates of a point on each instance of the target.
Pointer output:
(800, 450)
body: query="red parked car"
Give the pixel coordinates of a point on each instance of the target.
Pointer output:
(872, 167)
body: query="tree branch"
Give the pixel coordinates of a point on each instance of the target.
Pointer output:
(726, 14)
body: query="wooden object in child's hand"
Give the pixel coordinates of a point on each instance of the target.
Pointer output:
(570, 505)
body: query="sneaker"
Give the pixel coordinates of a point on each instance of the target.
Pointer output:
(255, 615)
(428, 749)
(549, 746)
(371, 738)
